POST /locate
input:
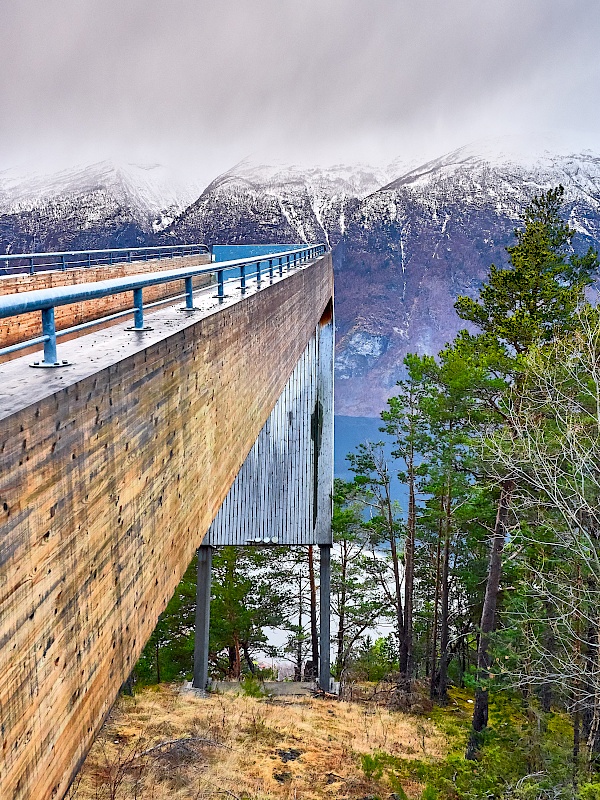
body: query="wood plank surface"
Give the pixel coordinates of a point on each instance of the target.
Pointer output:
(106, 489)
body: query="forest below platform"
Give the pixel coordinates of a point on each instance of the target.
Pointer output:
(486, 577)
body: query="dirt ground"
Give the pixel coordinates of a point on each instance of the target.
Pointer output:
(164, 743)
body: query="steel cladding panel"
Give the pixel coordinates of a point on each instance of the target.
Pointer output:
(273, 498)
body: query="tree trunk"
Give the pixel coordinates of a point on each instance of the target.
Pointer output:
(397, 582)
(298, 666)
(488, 617)
(442, 684)
(436, 601)
(341, 633)
(248, 658)
(314, 633)
(409, 574)
(235, 661)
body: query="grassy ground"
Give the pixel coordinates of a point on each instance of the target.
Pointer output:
(163, 744)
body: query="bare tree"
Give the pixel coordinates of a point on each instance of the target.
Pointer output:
(551, 451)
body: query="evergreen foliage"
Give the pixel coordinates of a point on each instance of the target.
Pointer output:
(490, 577)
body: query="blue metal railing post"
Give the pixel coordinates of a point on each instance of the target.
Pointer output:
(46, 300)
(138, 314)
(49, 330)
(189, 293)
(34, 262)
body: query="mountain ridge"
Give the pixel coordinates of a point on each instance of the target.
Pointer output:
(404, 245)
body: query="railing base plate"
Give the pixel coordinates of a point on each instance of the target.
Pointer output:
(44, 365)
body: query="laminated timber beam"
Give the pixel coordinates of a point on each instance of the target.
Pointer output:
(111, 471)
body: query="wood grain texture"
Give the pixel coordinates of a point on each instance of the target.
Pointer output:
(26, 326)
(106, 489)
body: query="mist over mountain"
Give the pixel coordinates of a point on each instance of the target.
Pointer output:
(262, 204)
(414, 245)
(403, 250)
(91, 207)
(406, 239)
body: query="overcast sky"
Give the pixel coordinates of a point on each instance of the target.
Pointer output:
(200, 84)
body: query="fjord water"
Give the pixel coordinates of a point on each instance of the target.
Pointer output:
(352, 431)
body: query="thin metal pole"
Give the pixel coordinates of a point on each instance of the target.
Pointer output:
(203, 578)
(281, 268)
(324, 488)
(243, 278)
(49, 330)
(220, 286)
(138, 316)
(325, 611)
(189, 293)
(270, 270)
(258, 274)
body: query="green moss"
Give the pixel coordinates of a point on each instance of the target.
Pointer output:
(519, 759)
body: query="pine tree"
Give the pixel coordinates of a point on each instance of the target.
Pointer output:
(358, 601)
(404, 422)
(531, 301)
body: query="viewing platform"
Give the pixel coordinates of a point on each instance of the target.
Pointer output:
(118, 449)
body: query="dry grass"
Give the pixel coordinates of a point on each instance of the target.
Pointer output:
(242, 747)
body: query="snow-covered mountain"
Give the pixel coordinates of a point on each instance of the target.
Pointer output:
(406, 239)
(412, 246)
(282, 203)
(98, 205)
(405, 244)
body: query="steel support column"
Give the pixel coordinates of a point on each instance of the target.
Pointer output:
(202, 617)
(325, 610)
(324, 488)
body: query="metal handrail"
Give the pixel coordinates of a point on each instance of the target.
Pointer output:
(72, 259)
(46, 300)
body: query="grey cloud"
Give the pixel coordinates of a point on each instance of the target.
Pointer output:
(206, 81)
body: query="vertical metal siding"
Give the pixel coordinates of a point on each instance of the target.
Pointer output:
(272, 498)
